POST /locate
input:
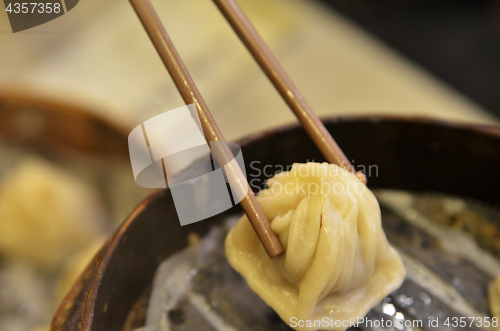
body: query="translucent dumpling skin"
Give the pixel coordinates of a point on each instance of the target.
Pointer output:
(337, 262)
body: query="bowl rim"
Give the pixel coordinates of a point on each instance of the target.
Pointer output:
(54, 104)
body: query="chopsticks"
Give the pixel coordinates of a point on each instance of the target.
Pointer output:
(285, 86)
(221, 151)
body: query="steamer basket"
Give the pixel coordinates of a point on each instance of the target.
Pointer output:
(413, 154)
(68, 135)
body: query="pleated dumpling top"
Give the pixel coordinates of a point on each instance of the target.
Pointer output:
(337, 262)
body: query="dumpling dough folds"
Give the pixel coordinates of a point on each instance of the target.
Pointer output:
(337, 261)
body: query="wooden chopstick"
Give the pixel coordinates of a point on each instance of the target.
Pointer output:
(190, 94)
(285, 86)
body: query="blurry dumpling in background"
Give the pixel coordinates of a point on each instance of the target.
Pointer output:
(45, 214)
(337, 261)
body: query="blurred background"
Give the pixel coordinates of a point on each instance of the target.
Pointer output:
(436, 58)
(349, 57)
